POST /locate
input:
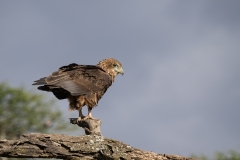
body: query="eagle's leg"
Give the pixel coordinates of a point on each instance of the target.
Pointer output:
(89, 114)
(81, 116)
(79, 104)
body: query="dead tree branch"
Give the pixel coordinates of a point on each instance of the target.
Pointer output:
(91, 126)
(92, 146)
(87, 147)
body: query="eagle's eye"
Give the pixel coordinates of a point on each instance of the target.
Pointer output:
(114, 65)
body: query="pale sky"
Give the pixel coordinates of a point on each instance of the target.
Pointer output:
(180, 93)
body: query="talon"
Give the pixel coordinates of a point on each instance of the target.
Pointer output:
(80, 118)
(88, 117)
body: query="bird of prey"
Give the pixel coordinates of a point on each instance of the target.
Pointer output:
(82, 84)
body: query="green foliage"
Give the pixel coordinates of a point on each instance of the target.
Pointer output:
(230, 155)
(201, 157)
(22, 111)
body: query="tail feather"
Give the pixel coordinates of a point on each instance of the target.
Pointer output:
(60, 93)
(44, 88)
(41, 81)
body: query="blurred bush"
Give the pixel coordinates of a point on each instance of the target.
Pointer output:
(23, 111)
(230, 155)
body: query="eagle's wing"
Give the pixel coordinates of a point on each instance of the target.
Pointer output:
(77, 79)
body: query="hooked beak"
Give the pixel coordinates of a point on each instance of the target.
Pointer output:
(121, 71)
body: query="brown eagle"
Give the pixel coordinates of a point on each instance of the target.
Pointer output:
(82, 84)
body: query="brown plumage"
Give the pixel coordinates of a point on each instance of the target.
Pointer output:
(82, 84)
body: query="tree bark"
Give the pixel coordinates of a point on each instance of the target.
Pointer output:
(87, 147)
(91, 146)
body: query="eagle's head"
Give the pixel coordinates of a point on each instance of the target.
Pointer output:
(112, 66)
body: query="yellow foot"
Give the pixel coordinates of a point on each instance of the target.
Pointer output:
(80, 118)
(88, 117)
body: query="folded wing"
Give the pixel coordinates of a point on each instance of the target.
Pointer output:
(75, 80)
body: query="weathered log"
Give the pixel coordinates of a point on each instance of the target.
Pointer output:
(87, 147)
